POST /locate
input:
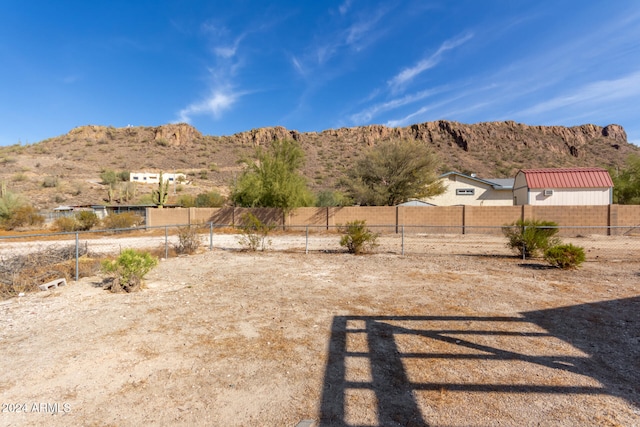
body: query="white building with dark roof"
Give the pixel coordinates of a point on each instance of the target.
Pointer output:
(461, 189)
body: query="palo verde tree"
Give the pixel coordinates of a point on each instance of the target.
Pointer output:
(626, 182)
(161, 195)
(273, 179)
(393, 172)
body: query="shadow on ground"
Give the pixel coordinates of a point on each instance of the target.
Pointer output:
(607, 332)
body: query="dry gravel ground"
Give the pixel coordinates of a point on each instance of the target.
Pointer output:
(228, 338)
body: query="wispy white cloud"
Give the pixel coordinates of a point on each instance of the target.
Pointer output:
(591, 95)
(219, 100)
(298, 66)
(344, 7)
(221, 94)
(408, 74)
(362, 32)
(369, 113)
(227, 51)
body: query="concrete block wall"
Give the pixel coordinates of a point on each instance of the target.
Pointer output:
(308, 216)
(166, 216)
(373, 215)
(490, 218)
(574, 216)
(439, 219)
(627, 216)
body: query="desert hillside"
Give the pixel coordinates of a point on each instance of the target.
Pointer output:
(66, 169)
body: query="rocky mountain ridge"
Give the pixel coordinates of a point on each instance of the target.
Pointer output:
(74, 161)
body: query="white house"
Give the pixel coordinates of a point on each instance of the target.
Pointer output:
(461, 189)
(154, 177)
(563, 187)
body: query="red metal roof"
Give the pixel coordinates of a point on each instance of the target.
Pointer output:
(567, 178)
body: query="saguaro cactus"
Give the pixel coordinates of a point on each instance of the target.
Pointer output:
(161, 195)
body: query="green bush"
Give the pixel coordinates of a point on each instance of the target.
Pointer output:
(530, 237)
(121, 220)
(211, 199)
(65, 224)
(86, 220)
(565, 256)
(254, 233)
(124, 176)
(332, 198)
(186, 201)
(108, 176)
(127, 271)
(357, 238)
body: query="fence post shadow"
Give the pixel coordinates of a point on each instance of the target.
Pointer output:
(395, 392)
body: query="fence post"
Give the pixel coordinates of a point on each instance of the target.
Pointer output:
(402, 239)
(211, 236)
(166, 242)
(306, 243)
(524, 244)
(77, 255)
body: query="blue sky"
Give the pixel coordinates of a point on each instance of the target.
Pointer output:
(231, 66)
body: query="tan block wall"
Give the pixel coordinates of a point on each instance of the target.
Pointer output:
(439, 219)
(373, 215)
(438, 215)
(627, 217)
(572, 215)
(166, 216)
(489, 219)
(491, 216)
(202, 215)
(307, 216)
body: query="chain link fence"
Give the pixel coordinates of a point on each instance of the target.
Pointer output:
(601, 244)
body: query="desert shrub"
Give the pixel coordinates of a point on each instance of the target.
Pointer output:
(86, 220)
(23, 216)
(50, 182)
(254, 233)
(530, 237)
(332, 198)
(121, 220)
(108, 176)
(127, 271)
(211, 199)
(188, 240)
(124, 176)
(186, 200)
(65, 224)
(357, 238)
(565, 256)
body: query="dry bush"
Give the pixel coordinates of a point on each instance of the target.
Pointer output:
(23, 216)
(121, 220)
(25, 273)
(188, 240)
(65, 224)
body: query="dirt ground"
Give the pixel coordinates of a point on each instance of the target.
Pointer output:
(229, 338)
